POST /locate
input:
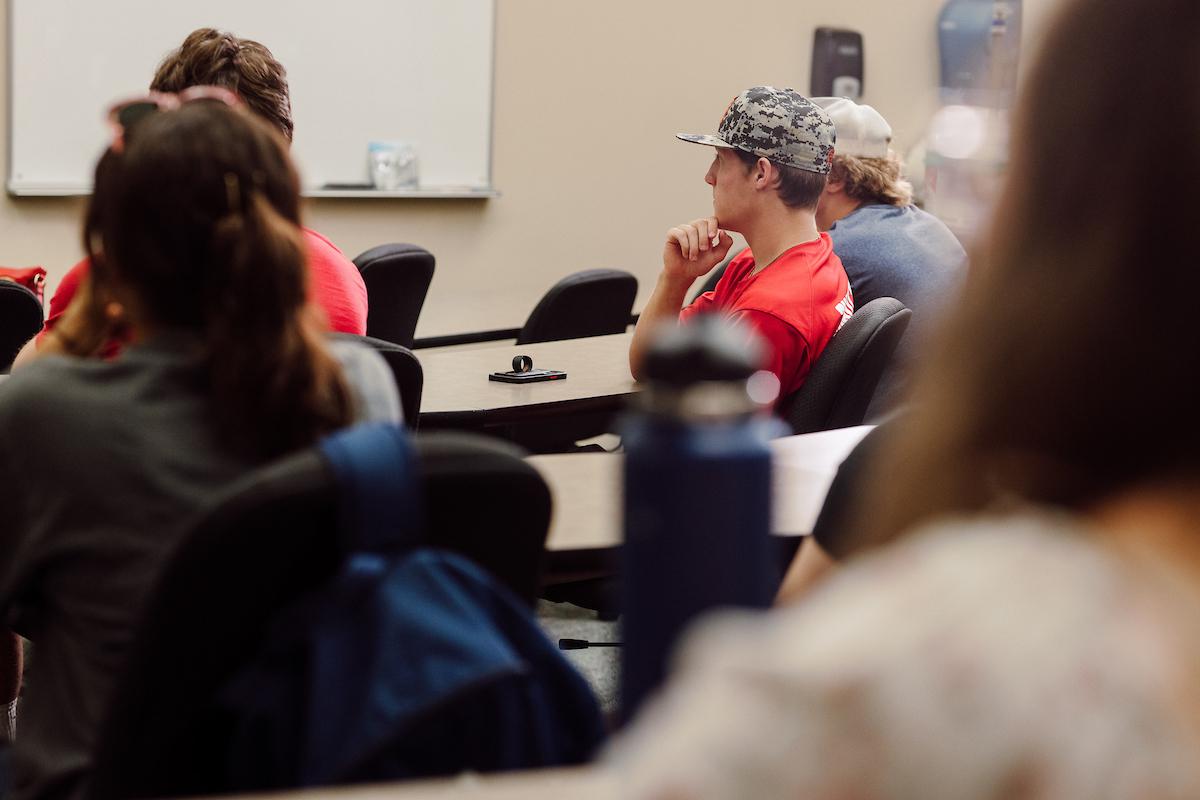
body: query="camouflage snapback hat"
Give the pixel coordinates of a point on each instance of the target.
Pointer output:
(780, 125)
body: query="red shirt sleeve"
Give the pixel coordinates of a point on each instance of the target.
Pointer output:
(787, 350)
(703, 304)
(64, 293)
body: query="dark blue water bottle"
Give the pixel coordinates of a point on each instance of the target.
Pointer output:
(697, 494)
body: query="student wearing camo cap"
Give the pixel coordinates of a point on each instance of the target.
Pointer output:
(774, 149)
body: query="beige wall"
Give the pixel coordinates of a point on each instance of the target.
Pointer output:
(588, 96)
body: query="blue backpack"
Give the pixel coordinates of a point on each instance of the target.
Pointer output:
(410, 663)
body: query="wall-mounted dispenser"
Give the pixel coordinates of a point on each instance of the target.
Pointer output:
(837, 64)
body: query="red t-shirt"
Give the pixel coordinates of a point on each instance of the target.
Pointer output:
(334, 283)
(797, 303)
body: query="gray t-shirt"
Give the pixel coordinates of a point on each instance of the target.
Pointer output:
(905, 253)
(104, 466)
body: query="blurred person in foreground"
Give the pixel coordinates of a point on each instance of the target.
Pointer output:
(193, 232)
(1030, 629)
(208, 57)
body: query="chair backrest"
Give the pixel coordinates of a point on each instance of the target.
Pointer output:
(273, 539)
(843, 380)
(484, 501)
(593, 302)
(406, 369)
(397, 277)
(20, 320)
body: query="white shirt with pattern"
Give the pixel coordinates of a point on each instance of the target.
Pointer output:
(1001, 658)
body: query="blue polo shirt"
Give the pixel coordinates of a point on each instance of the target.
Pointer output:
(905, 253)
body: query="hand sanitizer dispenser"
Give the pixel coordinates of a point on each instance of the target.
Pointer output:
(837, 64)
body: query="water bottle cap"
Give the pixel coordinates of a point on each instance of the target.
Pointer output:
(708, 349)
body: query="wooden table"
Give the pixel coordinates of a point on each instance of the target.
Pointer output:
(586, 488)
(458, 394)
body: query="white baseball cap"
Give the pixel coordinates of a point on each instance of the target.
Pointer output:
(861, 130)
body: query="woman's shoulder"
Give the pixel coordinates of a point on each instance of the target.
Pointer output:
(371, 382)
(1004, 573)
(152, 383)
(355, 356)
(1017, 577)
(997, 546)
(39, 387)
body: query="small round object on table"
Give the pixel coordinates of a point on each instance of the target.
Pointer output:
(522, 364)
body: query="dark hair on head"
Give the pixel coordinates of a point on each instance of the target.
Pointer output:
(1062, 376)
(209, 57)
(198, 221)
(797, 188)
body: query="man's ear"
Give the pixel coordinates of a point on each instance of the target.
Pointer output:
(765, 174)
(835, 187)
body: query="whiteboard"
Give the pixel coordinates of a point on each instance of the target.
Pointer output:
(418, 71)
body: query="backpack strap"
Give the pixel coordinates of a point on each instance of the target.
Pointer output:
(375, 468)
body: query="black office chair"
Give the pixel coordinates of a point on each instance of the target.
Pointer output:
(484, 501)
(406, 369)
(843, 380)
(593, 302)
(271, 540)
(20, 320)
(397, 278)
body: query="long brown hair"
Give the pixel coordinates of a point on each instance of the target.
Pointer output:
(198, 218)
(1065, 372)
